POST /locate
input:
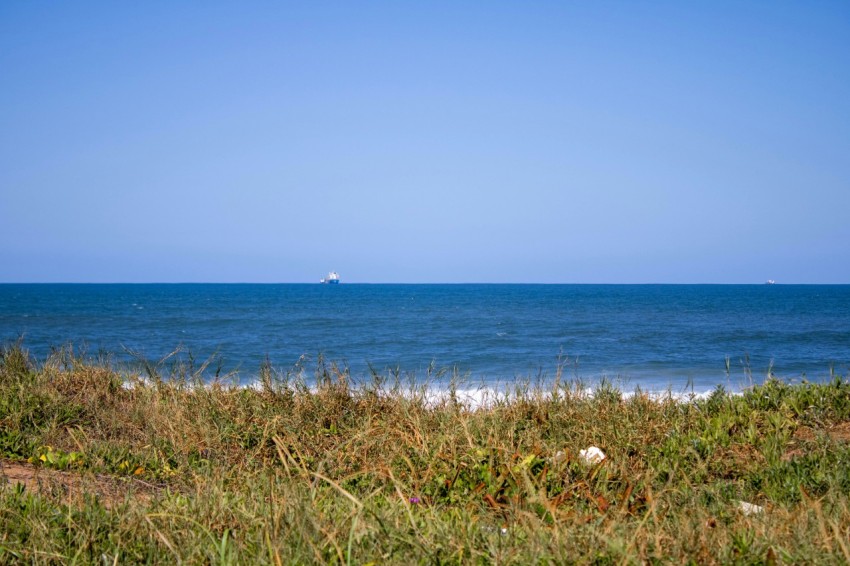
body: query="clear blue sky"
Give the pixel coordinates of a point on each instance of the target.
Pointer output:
(425, 142)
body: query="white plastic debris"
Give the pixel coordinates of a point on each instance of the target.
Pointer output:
(750, 508)
(592, 455)
(503, 530)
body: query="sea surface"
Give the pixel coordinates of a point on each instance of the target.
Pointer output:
(658, 337)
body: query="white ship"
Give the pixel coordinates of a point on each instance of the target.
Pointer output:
(331, 279)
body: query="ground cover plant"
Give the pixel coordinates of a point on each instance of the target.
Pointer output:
(165, 466)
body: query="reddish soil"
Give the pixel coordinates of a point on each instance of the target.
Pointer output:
(838, 433)
(71, 487)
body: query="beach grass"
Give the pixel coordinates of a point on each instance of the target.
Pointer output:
(101, 466)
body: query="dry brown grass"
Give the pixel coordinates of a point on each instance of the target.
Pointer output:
(322, 471)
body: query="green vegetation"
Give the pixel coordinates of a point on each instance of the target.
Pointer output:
(176, 470)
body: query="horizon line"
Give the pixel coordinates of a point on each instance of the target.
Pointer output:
(763, 283)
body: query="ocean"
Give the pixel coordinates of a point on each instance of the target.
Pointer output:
(657, 337)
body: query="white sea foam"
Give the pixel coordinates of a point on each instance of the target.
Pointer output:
(487, 397)
(466, 394)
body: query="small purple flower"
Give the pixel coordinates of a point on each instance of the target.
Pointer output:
(414, 500)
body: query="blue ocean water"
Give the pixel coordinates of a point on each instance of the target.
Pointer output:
(655, 336)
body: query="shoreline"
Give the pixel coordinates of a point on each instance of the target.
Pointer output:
(180, 364)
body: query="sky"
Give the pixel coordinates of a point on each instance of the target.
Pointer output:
(502, 142)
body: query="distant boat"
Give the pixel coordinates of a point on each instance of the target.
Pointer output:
(769, 282)
(331, 279)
